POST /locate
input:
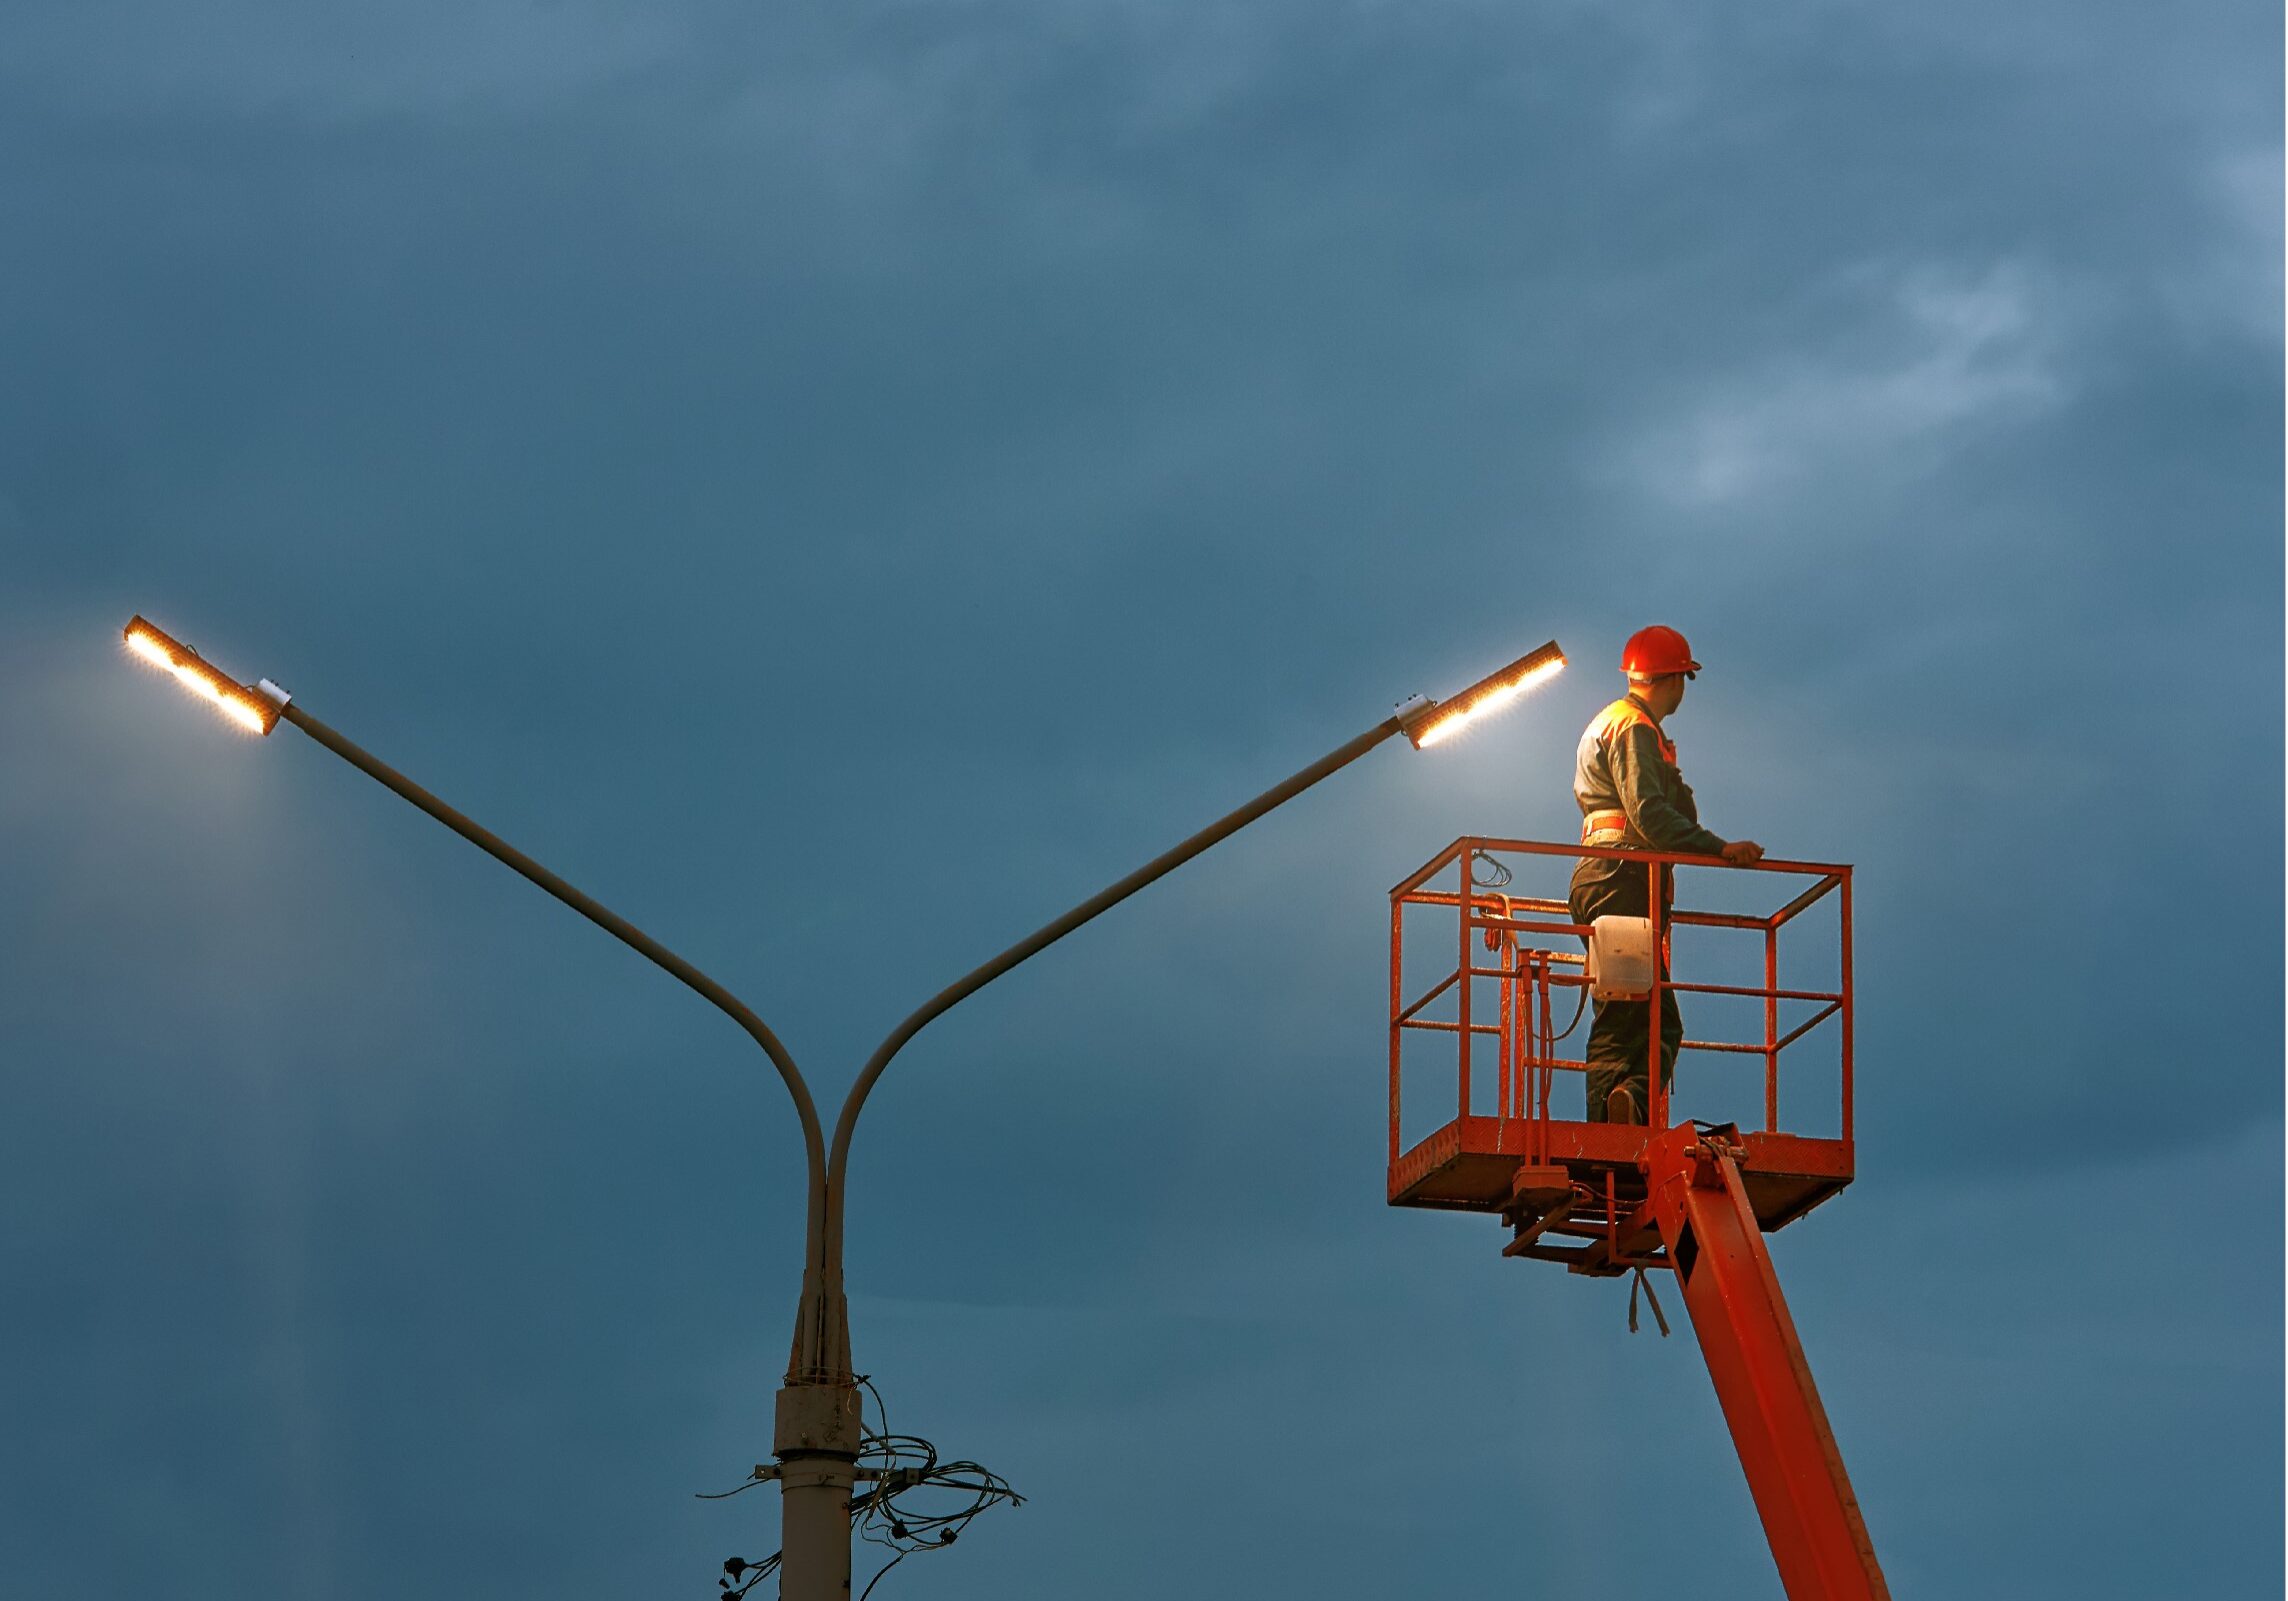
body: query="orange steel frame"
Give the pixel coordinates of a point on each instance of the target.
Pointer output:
(1605, 1198)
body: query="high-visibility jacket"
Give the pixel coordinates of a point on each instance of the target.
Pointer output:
(1630, 792)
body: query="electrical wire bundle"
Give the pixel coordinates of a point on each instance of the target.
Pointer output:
(1490, 873)
(917, 1503)
(914, 1502)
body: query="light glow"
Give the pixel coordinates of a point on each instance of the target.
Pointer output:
(147, 646)
(1448, 718)
(196, 682)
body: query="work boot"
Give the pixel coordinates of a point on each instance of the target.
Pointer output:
(1621, 1106)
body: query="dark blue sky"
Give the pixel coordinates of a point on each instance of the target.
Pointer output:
(841, 482)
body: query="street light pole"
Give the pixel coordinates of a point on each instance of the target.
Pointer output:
(818, 1419)
(817, 1431)
(821, 1405)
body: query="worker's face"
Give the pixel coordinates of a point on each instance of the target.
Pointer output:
(1664, 694)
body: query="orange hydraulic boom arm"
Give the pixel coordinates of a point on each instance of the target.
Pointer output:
(1794, 1470)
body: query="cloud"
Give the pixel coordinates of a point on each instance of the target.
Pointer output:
(2229, 279)
(1937, 354)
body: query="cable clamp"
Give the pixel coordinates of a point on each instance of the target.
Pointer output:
(895, 1479)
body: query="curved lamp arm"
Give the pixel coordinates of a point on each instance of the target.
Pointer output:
(616, 926)
(838, 1155)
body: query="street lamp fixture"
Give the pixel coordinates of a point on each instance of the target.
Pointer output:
(1429, 723)
(818, 1436)
(254, 707)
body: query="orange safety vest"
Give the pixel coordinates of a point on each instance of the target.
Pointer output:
(1622, 714)
(1618, 718)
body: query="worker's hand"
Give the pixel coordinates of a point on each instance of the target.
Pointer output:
(1743, 853)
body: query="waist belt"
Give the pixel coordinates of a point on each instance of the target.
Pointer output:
(1604, 823)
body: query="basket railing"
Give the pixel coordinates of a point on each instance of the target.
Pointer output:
(1529, 950)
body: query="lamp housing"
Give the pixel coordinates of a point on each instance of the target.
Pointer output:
(1438, 721)
(253, 708)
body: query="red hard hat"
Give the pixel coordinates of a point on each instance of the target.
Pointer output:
(1654, 651)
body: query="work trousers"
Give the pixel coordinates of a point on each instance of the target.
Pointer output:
(1620, 1034)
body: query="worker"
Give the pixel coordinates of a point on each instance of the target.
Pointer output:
(1633, 797)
